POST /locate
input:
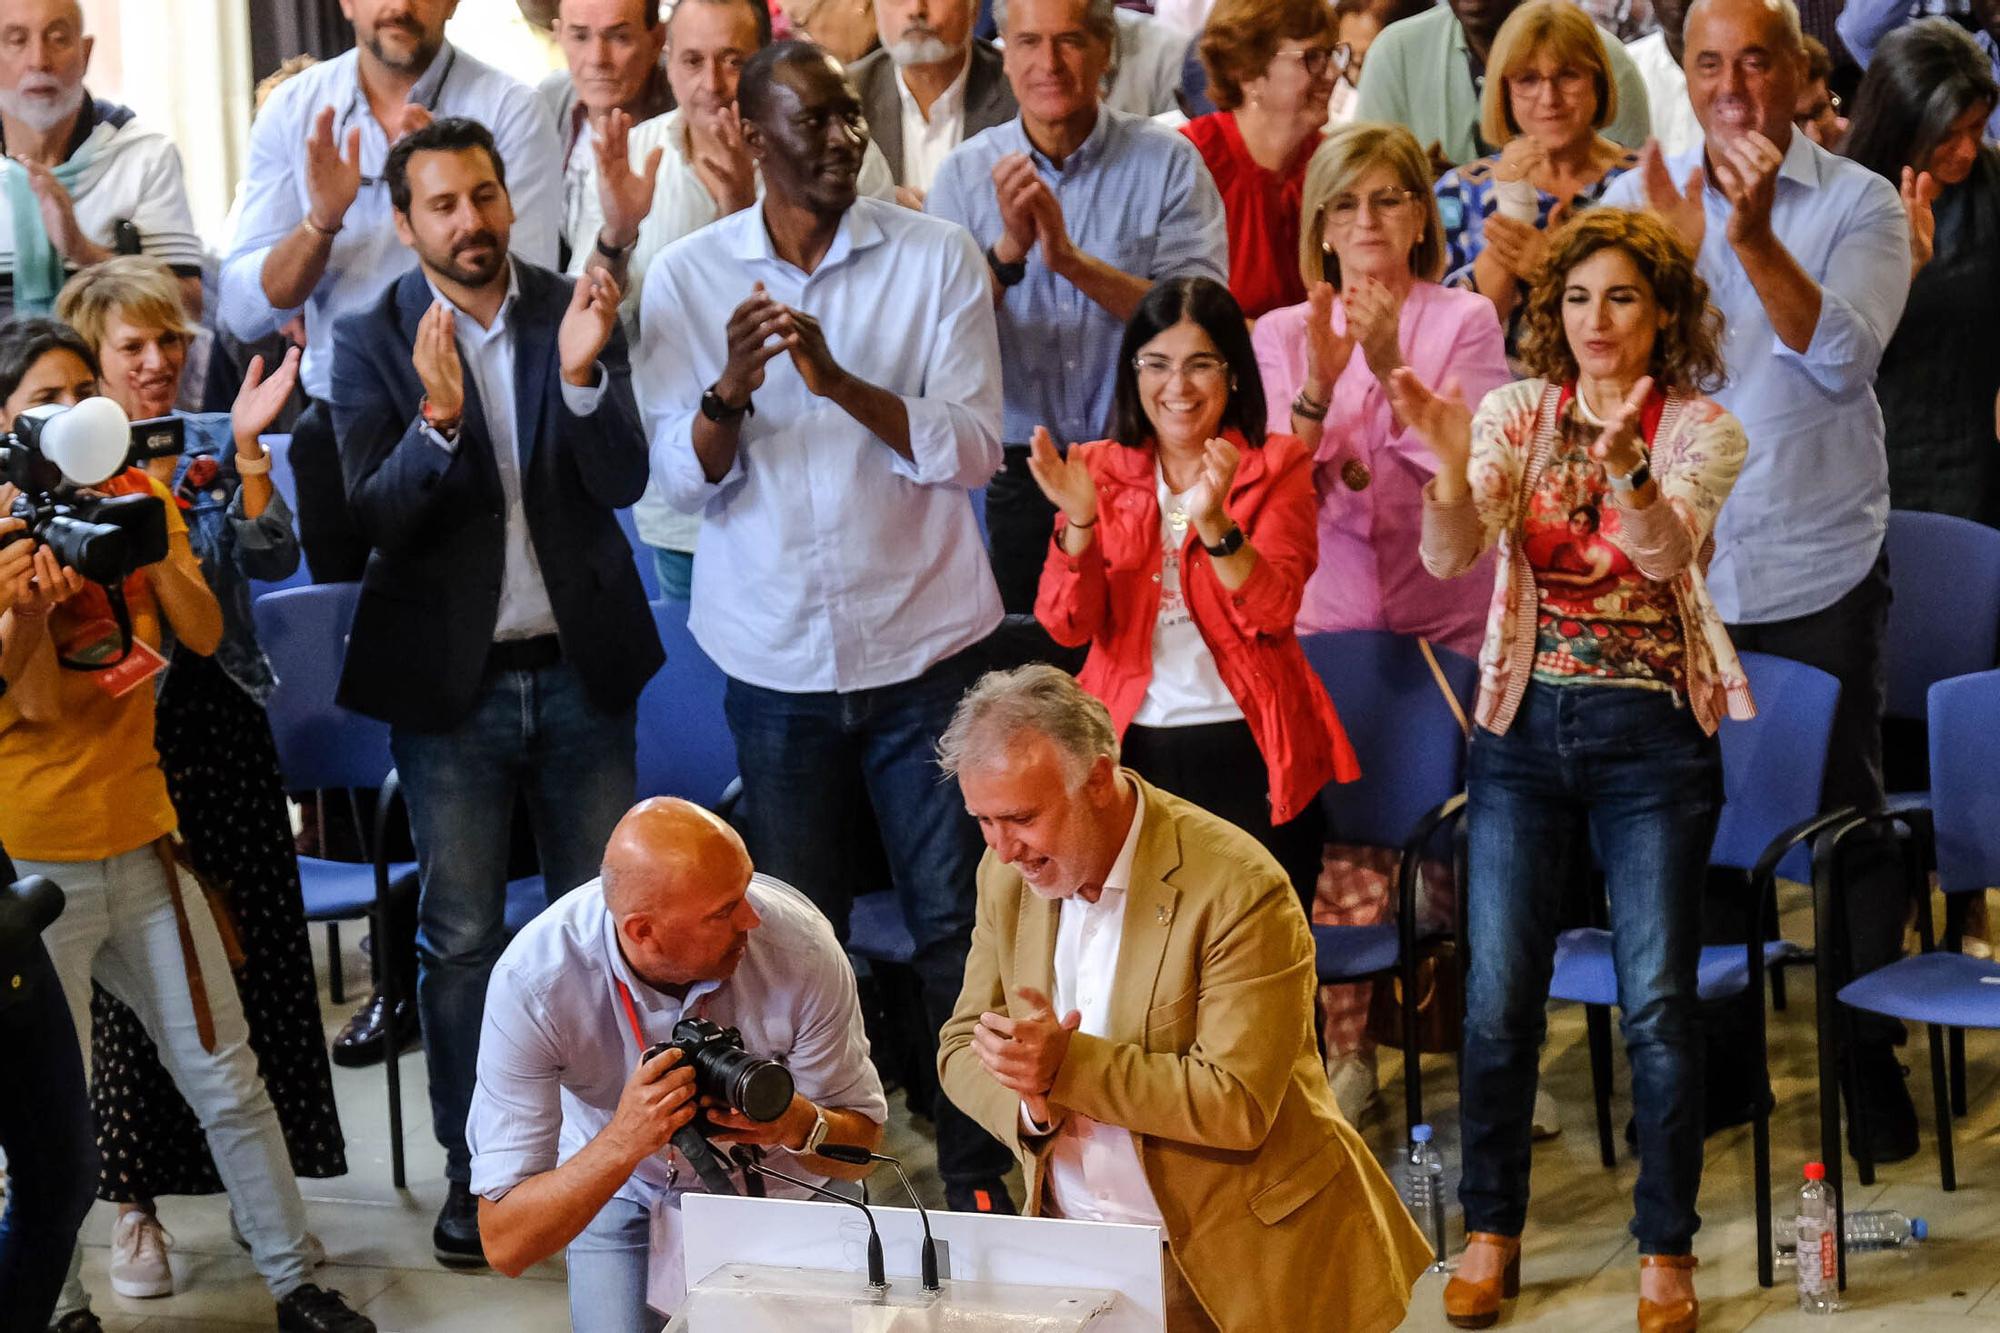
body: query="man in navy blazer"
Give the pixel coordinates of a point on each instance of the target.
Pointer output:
(488, 430)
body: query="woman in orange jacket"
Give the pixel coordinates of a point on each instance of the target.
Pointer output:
(1181, 547)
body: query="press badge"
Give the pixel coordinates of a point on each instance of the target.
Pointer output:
(97, 641)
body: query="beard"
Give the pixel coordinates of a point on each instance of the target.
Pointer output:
(39, 111)
(927, 50)
(478, 272)
(422, 52)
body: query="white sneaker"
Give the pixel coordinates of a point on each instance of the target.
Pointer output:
(1354, 1084)
(139, 1267)
(1547, 1121)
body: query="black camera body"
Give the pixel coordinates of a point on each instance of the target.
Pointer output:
(750, 1085)
(103, 538)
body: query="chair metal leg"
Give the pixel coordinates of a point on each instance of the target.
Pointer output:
(336, 979)
(392, 1049)
(1598, 1024)
(1955, 1039)
(1941, 1101)
(1760, 1165)
(1826, 1003)
(1413, 1057)
(1850, 1081)
(1778, 988)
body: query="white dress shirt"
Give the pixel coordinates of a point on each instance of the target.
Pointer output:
(555, 1046)
(927, 140)
(488, 354)
(1093, 1170)
(366, 256)
(1674, 123)
(829, 562)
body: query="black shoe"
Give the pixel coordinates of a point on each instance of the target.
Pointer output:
(455, 1238)
(359, 1043)
(77, 1321)
(1888, 1117)
(310, 1309)
(987, 1197)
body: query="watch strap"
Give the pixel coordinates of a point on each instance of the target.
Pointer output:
(817, 1134)
(1008, 274)
(1232, 542)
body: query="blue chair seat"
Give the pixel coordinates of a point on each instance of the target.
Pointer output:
(1586, 974)
(1946, 989)
(343, 890)
(525, 900)
(1353, 953)
(1901, 802)
(876, 929)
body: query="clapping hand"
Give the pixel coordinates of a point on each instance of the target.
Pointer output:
(407, 119)
(723, 163)
(1680, 205)
(625, 196)
(1746, 171)
(1327, 349)
(1208, 499)
(1064, 480)
(435, 357)
(1023, 1054)
(751, 326)
(333, 176)
(1374, 320)
(1015, 186)
(1618, 446)
(1441, 420)
(58, 213)
(1520, 247)
(1920, 191)
(1520, 159)
(586, 326)
(260, 400)
(806, 341)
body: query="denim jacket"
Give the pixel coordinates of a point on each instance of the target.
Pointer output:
(233, 549)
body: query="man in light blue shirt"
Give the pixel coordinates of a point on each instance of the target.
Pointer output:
(821, 381)
(1080, 210)
(1807, 256)
(315, 230)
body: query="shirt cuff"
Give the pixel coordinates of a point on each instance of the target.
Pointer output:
(1034, 1127)
(437, 438)
(583, 402)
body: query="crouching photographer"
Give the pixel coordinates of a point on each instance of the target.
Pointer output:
(86, 802)
(580, 1117)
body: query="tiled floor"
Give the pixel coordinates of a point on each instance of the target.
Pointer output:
(1579, 1270)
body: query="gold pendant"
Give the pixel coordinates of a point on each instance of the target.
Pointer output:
(1355, 474)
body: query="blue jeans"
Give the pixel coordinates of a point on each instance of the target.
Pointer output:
(814, 765)
(1628, 774)
(46, 1131)
(608, 1261)
(533, 735)
(675, 572)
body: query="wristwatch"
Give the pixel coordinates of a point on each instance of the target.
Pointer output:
(1008, 274)
(1633, 480)
(817, 1134)
(716, 409)
(614, 253)
(1231, 543)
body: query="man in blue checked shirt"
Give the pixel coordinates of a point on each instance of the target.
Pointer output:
(1079, 210)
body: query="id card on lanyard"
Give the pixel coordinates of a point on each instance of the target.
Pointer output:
(666, 1268)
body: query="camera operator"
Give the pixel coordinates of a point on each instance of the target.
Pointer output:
(677, 927)
(87, 807)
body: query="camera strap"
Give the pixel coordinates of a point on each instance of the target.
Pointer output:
(121, 615)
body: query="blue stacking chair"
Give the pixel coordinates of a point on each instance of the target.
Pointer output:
(1944, 620)
(1411, 745)
(322, 747)
(279, 447)
(1940, 987)
(1772, 770)
(685, 748)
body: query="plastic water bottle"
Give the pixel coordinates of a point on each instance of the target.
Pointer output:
(1867, 1229)
(1423, 1190)
(1816, 1271)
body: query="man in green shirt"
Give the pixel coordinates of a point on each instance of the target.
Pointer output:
(1426, 71)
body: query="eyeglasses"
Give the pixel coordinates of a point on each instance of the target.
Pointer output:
(1201, 366)
(1387, 205)
(1821, 109)
(1314, 59)
(1530, 83)
(1346, 59)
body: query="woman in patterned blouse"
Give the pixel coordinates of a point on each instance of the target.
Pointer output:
(1603, 676)
(1548, 93)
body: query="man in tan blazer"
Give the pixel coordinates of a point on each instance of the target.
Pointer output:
(1137, 1023)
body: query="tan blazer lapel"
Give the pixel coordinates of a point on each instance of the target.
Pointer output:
(1035, 946)
(1149, 916)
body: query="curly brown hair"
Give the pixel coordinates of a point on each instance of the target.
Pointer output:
(1687, 355)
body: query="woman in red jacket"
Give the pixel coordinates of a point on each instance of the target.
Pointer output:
(1181, 547)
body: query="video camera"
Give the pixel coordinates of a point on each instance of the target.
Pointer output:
(53, 454)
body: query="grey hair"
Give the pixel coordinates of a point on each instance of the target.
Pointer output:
(1100, 16)
(1039, 698)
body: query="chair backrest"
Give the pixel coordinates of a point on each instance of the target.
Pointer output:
(1411, 747)
(642, 554)
(1965, 793)
(685, 748)
(320, 744)
(1774, 764)
(283, 480)
(1944, 620)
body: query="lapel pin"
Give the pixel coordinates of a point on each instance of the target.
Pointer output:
(1164, 913)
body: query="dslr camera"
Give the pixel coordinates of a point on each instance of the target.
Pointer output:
(750, 1085)
(53, 454)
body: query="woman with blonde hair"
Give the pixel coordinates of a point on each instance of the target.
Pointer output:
(1549, 94)
(1603, 677)
(1271, 72)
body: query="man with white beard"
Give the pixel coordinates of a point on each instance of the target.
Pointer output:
(83, 179)
(929, 87)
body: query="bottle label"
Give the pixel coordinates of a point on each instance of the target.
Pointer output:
(1816, 1256)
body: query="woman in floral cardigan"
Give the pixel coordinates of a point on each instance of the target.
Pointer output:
(1603, 675)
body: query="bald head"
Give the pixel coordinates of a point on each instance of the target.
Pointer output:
(1745, 64)
(667, 851)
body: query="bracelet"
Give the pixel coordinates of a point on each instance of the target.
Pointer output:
(253, 467)
(1305, 405)
(614, 253)
(315, 229)
(1079, 527)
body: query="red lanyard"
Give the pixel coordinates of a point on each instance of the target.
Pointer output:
(632, 1015)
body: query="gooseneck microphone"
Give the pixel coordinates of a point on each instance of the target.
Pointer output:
(855, 1156)
(877, 1277)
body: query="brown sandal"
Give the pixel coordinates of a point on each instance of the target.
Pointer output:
(1477, 1304)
